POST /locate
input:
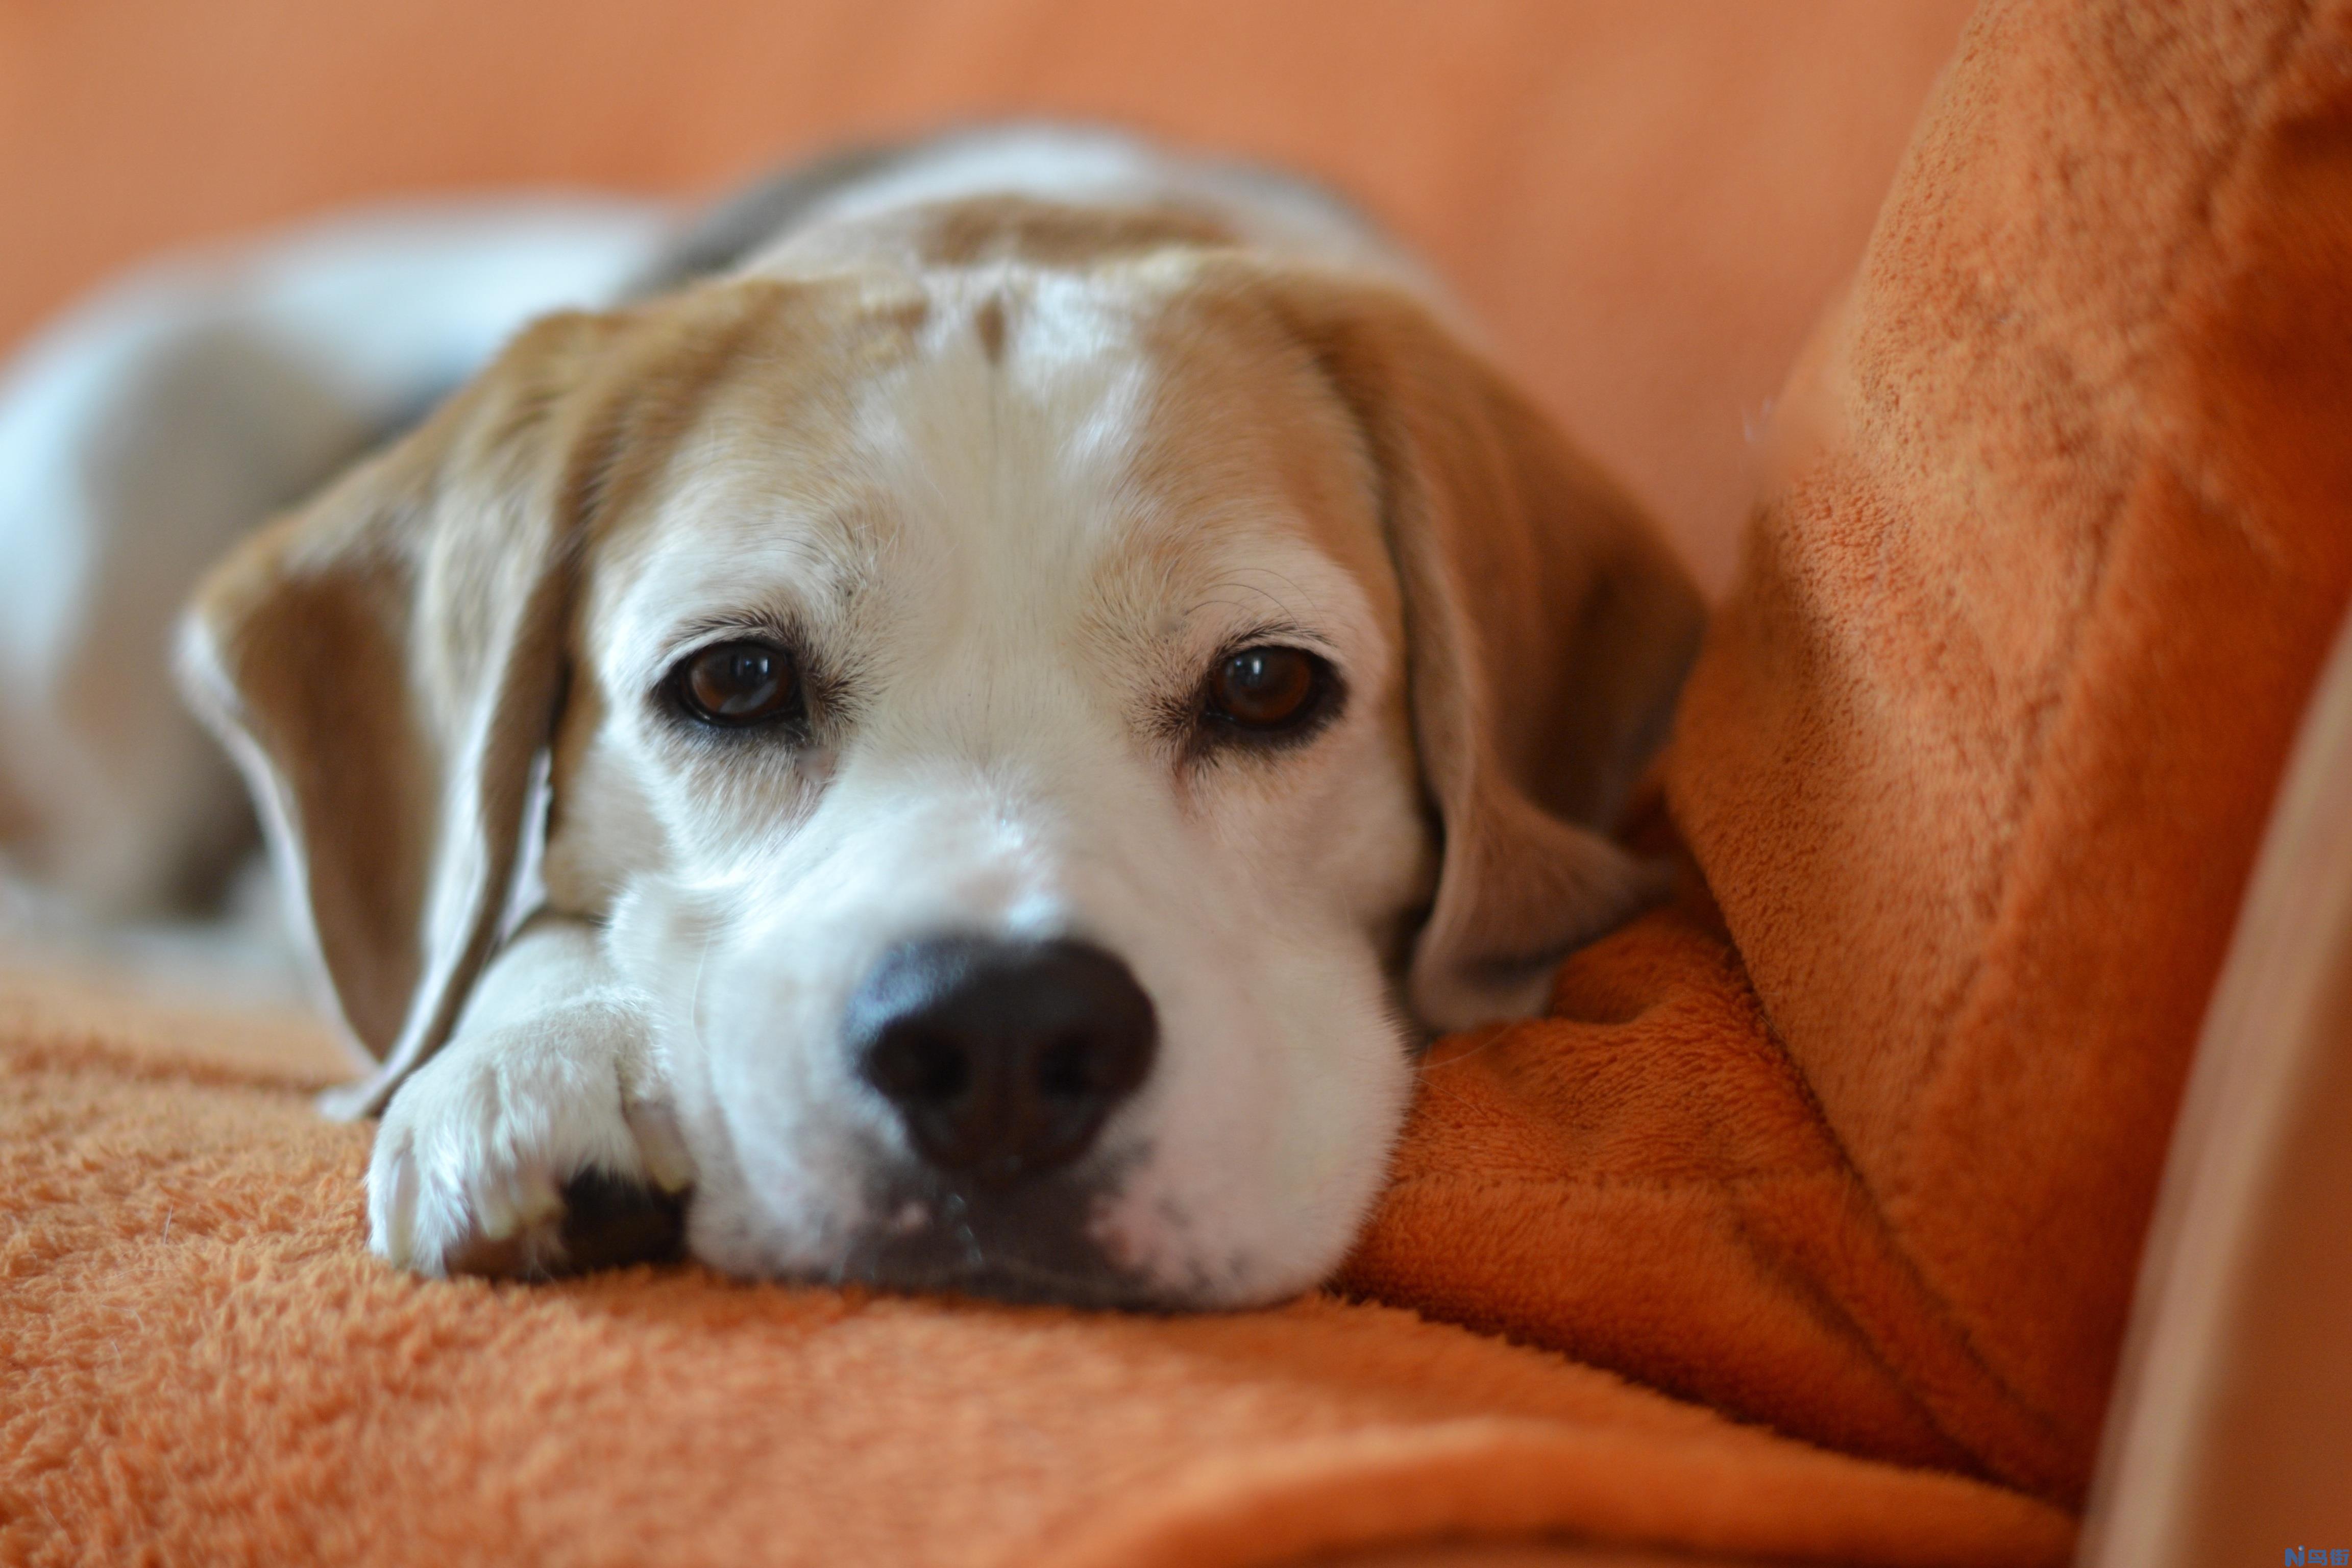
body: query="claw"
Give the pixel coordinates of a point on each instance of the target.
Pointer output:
(399, 1219)
(661, 1145)
(537, 1200)
(495, 1218)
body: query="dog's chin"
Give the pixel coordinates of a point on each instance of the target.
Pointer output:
(1032, 1243)
(1044, 1239)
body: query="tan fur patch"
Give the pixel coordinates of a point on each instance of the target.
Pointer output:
(1056, 234)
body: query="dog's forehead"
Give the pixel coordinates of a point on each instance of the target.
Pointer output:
(1046, 442)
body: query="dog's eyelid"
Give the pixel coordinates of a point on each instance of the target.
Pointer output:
(705, 631)
(1281, 633)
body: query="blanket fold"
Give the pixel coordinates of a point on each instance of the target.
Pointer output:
(1644, 1181)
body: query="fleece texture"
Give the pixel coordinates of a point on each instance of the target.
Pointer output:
(1853, 1143)
(1985, 739)
(200, 1362)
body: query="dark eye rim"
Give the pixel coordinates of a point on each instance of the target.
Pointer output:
(1326, 696)
(676, 691)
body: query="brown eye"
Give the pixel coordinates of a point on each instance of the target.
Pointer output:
(737, 683)
(1266, 689)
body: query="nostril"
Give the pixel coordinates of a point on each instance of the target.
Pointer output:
(1065, 1070)
(917, 1065)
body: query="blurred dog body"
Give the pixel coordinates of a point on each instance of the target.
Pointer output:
(142, 436)
(971, 723)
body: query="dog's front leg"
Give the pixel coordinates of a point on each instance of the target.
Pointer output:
(536, 1141)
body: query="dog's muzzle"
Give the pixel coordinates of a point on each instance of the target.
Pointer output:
(1002, 1061)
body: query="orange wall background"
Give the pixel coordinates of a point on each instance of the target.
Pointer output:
(1646, 203)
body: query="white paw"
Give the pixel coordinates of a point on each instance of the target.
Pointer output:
(471, 1162)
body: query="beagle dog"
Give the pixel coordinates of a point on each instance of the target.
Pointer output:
(960, 738)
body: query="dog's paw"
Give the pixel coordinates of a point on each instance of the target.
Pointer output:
(528, 1149)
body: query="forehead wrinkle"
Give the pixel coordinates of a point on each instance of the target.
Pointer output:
(804, 566)
(1125, 469)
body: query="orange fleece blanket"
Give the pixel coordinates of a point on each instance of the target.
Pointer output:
(1856, 1141)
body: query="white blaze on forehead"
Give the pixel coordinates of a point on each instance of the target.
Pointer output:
(1007, 470)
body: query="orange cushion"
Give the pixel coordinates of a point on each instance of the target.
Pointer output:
(1980, 751)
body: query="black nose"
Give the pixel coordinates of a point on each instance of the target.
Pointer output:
(1002, 1058)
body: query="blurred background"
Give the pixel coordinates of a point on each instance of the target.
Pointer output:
(1646, 205)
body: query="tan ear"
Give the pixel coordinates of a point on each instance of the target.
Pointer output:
(1548, 627)
(386, 664)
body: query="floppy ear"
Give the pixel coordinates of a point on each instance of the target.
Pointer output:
(1547, 628)
(385, 665)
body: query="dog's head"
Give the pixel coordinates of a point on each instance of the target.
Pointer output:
(1047, 740)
